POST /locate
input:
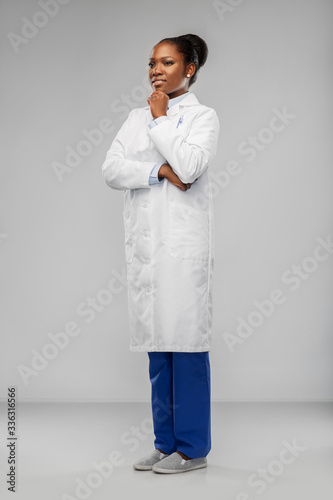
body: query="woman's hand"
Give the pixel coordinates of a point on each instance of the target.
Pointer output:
(158, 102)
(166, 172)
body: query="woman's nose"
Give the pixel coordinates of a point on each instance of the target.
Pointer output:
(156, 70)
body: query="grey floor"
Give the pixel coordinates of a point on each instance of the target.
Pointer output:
(275, 451)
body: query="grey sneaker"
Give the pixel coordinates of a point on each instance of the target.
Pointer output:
(175, 463)
(147, 462)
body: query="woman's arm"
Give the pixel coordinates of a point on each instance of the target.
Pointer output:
(166, 172)
(120, 173)
(188, 157)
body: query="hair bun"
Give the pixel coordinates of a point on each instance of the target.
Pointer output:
(199, 45)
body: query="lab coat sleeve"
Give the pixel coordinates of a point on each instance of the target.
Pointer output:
(188, 157)
(156, 121)
(121, 173)
(153, 178)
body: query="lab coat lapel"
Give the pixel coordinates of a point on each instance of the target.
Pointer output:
(189, 100)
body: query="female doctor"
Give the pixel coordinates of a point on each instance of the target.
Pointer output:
(160, 158)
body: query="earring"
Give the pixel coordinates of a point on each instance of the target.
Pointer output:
(188, 76)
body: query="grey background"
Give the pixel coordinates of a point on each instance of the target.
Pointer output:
(62, 242)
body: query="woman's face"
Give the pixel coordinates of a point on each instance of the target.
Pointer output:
(167, 71)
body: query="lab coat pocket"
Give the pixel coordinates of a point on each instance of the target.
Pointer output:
(188, 234)
(128, 235)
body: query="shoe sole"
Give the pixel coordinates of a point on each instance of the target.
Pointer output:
(174, 471)
(143, 467)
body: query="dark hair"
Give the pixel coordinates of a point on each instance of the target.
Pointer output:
(193, 48)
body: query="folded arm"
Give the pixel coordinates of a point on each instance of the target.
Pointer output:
(188, 157)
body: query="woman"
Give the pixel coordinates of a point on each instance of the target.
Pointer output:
(159, 158)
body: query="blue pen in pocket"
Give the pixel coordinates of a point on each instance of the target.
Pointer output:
(179, 121)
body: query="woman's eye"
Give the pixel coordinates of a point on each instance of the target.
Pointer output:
(167, 62)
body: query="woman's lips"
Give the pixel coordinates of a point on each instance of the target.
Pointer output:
(158, 82)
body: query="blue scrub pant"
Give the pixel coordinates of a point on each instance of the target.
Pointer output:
(180, 398)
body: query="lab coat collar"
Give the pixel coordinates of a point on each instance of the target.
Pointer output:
(189, 100)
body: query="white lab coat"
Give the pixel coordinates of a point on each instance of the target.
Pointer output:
(169, 241)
